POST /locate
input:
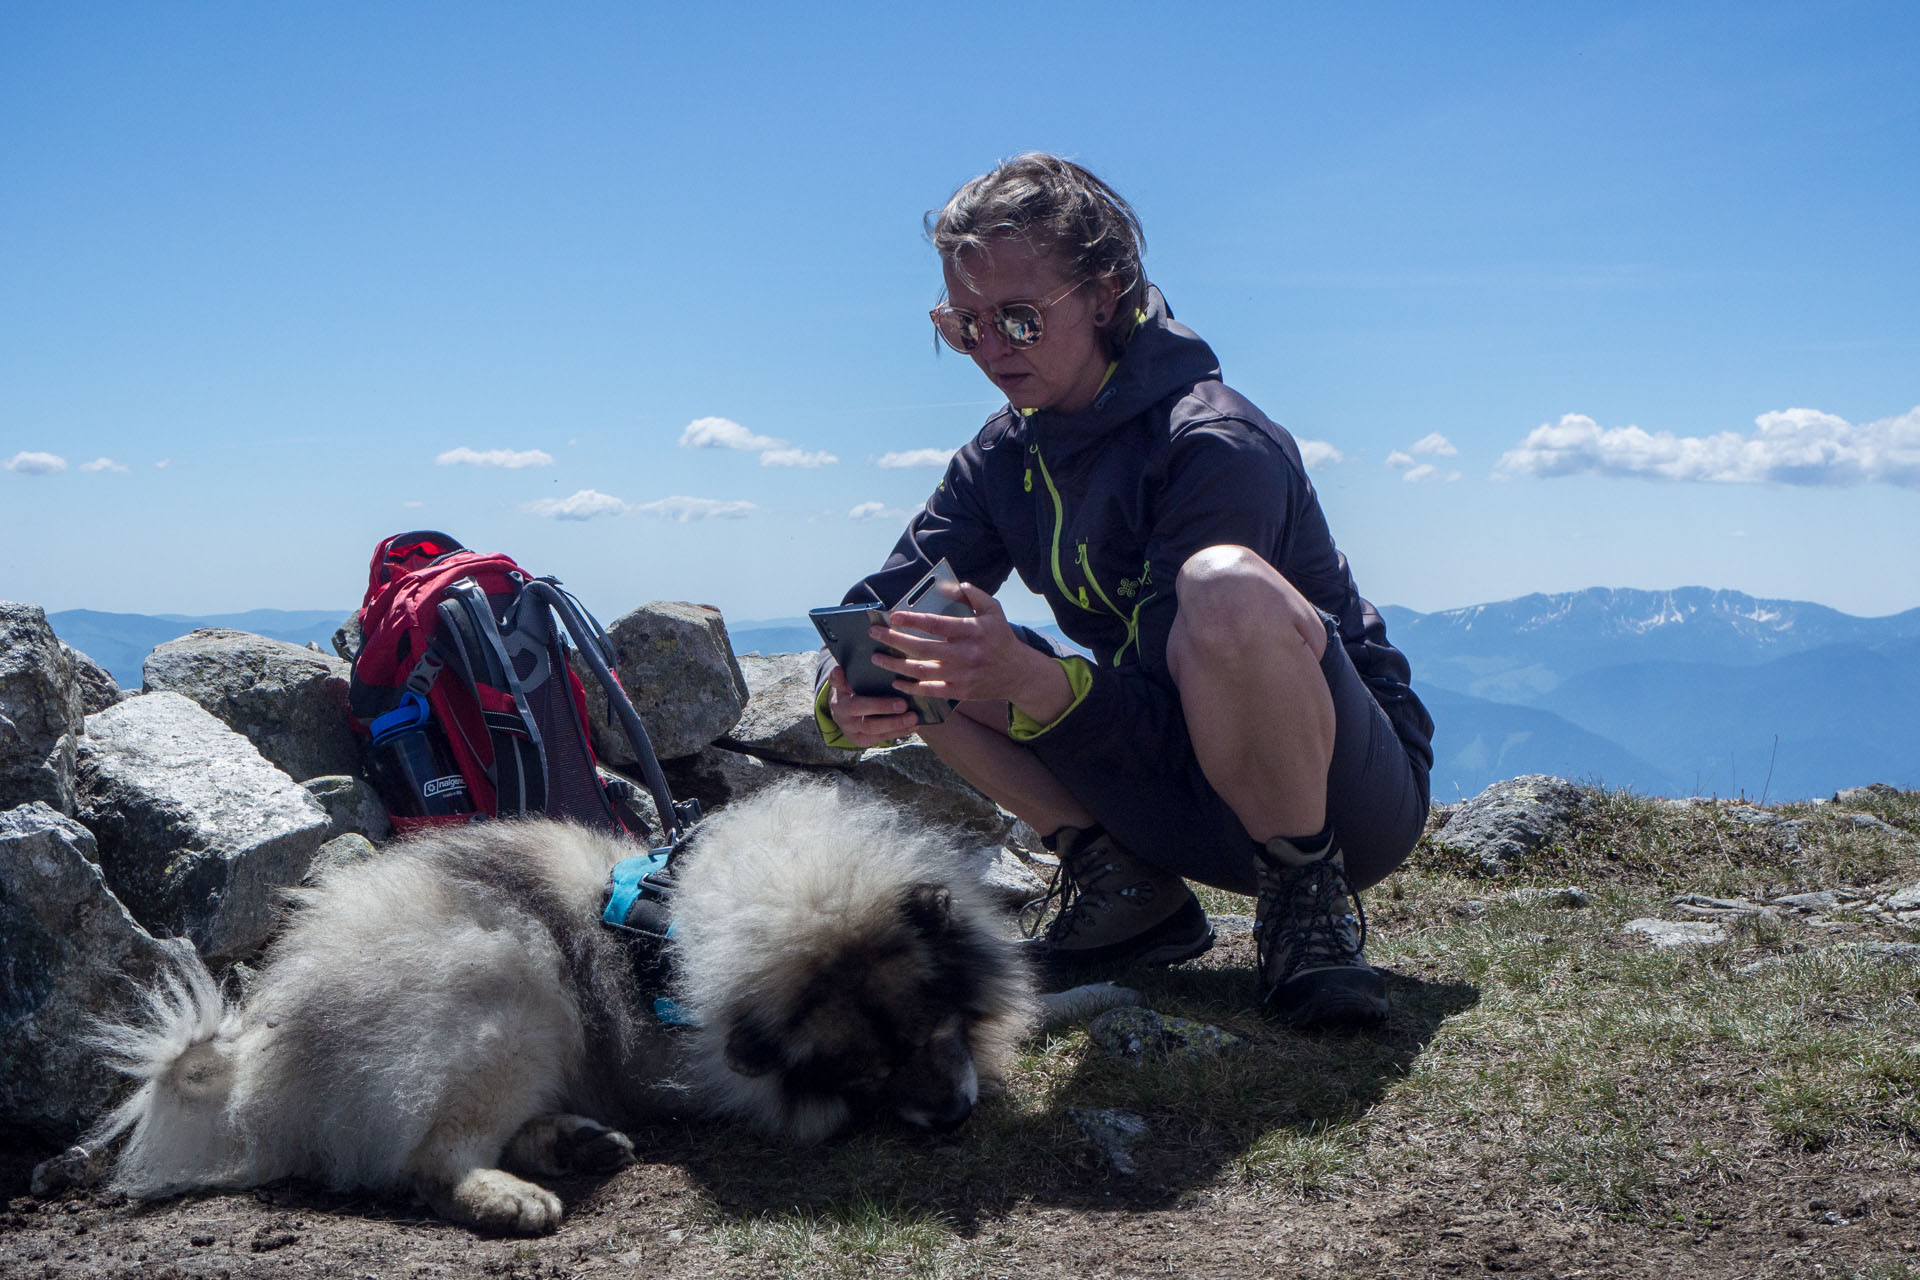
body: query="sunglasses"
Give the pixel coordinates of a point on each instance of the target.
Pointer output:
(1021, 324)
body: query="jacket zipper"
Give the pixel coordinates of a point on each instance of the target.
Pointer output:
(1081, 558)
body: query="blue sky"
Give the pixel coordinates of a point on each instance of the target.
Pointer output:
(1561, 295)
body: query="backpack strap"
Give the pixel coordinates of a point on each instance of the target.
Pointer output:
(590, 640)
(469, 640)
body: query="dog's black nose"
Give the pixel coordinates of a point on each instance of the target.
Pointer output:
(952, 1116)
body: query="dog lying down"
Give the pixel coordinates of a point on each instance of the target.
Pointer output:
(454, 1006)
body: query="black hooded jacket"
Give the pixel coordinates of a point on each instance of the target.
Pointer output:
(1097, 510)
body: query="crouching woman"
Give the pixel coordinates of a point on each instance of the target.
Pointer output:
(1242, 721)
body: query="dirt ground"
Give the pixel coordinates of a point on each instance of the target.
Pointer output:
(1786, 1214)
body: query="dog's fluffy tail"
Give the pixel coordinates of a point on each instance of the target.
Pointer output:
(176, 1046)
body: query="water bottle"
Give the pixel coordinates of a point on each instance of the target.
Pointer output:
(411, 765)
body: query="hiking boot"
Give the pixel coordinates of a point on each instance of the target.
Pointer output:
(1309, 929)
(1114, 910)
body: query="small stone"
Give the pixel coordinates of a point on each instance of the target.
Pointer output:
(1231, 926)
(1471, 909)
(74, 1167)
(1669, 933)
(1113, 1132)
(1136, 1035)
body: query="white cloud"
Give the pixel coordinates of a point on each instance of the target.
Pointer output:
(163, 464)
(902, 459)
(584, 505)
(1427, 473)
(412, 503)
(102, 464)
(724, 433)
(511, 459)
(35, 464)
(877, 511)
(796, 458)
(1435, 443)
(1790, 446)
(1399, 459)
(685, 509)
(1318, 453)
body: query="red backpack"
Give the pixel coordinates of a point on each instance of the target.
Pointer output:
(461, 681)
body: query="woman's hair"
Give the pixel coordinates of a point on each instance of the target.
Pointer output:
(1060, 209)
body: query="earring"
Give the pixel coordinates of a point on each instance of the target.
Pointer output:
(1100, 318)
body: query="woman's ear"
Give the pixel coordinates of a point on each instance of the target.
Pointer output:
(1106, 299)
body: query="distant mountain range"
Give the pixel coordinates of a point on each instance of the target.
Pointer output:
(120, 642)
(1685, 692)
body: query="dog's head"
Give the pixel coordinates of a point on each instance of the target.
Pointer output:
(891, 1019)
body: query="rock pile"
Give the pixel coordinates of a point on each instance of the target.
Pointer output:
(134, 824)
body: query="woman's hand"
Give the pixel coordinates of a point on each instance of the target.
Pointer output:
(866, 721)
(972, 659)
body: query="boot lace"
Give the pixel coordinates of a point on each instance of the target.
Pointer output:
(1303, 921)
(1065, 891)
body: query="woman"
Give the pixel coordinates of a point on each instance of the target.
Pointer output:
(1243, 721)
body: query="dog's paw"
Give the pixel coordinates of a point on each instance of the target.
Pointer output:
(591, 1147)
(495, 1200)
(560, 1143)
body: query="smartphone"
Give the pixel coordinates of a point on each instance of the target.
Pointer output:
(844, 629)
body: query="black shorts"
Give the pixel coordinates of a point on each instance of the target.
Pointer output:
(1160, 806)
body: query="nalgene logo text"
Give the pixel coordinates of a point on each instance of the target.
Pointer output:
(443, 786)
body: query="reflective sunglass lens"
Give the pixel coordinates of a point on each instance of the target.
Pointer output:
(959, 329)
(1019, 324)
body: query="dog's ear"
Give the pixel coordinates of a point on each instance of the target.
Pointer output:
(751, 1049)
(928, 908)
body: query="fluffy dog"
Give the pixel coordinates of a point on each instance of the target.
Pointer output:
(454, 1006)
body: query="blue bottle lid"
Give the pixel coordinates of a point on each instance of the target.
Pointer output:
(411, 713)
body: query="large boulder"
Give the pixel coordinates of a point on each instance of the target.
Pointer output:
(913, 777)
(1499, 828)
(41, 714)
(72, 953)
(778, 723)
(97, 687)
(197, 832)
(678, 667)
(290, 701)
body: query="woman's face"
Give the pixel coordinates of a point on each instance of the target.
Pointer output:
(1062, 371)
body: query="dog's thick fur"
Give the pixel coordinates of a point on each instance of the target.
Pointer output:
(454, 1005)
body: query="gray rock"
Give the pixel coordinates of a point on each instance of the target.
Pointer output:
(41, 711)
(98, 689)
(1817, 901)
(347, 638)
(715, 776)
(1135, 1036)
(1869, 794)
(778, 723)
(1787, 829)
(912, 776)
(1009, 878)
(677, 666)
(72, 953)
(1867, 822)
(289, 701)
(352, 806)
(1231, 926)
(1669, 933)
(1114, 1133)
(1907, 899)
(1695, 904)
(1502, 825)
(74, 1167)
(341, 851)
(197, 832)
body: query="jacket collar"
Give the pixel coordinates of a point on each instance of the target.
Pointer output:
(1163, 356)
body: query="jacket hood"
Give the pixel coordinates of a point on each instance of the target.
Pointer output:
(1164, 356)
